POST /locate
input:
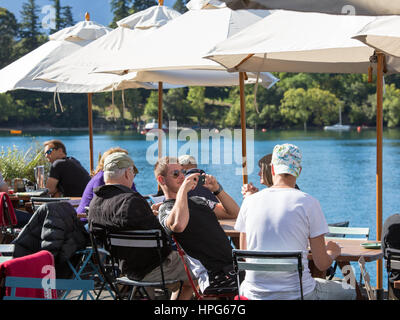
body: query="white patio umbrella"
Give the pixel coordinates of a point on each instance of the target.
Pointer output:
(126, 47)
(352, 7)
(312, 42)
(21, 73)
(382, 34)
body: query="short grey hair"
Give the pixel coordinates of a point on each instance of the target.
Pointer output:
(186, 159)
(114, 175)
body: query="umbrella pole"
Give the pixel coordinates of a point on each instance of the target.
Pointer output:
(243, 126)
(90, 120)
(379, 139)
(160, 117)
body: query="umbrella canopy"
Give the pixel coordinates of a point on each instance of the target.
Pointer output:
(352, 7)
(135, 37)
(312, 42)
(153, 17)
(382, 34)
(181, 43)
(21, 73)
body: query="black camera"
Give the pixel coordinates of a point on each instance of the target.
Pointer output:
(202, 178)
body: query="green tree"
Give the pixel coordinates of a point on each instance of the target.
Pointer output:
(7, 106)
(176, 106)
(67, 17)
(180, 6)
(391, 106)
(151, 107)
(120, 9)
(315, 106)
(30, 26)
(8, 30)
(140, 5)
(196, 97)
(135, 103)
(58, 19)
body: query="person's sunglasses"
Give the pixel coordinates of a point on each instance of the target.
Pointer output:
(49, 151)
(175, 174)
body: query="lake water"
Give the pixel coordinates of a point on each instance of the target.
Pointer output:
(339, 169)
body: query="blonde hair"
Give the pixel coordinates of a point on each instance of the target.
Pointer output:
(161, 166)
(187, 159)
(100, 165)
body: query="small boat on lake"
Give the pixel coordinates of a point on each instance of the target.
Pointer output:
(154, 125)
(338, 126)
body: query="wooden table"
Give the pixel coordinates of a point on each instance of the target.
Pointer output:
(74, 201)
(228, 226)
(352, 251)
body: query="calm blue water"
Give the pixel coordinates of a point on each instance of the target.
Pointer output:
(339, 169)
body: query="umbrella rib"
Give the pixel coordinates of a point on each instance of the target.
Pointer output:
(243, 61)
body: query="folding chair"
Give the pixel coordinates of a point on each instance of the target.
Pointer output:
(37, 283)
(392, 262)
(6, 251)
(225, 293)
(108, 271)
(365, 275)
(8, 220)
(137, 239)
(340, 232)
(38, 201)
(269, 261)
(81, 263)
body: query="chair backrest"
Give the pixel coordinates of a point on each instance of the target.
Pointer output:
(348, 232)
(392, 257)
(38, 201)
(98, 235)
(7, 213)
(337, 224)
(37, 283)
(269, 261)
(136, 239)
(392, 263)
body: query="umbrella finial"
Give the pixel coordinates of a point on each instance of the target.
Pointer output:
(87, 16)
(160, 2)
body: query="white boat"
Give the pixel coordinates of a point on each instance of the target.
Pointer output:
(154, 125)
(338, 126)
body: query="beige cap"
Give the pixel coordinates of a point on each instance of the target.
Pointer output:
(118, 160)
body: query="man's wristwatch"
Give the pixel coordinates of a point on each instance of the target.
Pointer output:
(218, 191)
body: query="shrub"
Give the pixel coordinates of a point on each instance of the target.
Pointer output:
(15, 163)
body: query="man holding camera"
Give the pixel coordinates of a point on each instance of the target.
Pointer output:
(193, 223)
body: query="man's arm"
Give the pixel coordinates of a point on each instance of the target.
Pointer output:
(323, 255)
(179, 217)
(51, 184)
(227, 208)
